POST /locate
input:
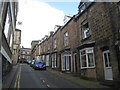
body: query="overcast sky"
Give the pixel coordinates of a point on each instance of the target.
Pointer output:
(39, 18)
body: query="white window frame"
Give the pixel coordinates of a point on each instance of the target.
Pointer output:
(85, 29)
(66, 39)
(11, 41)
(83, 7)
(108, 60)
(7, 23)
(85, 33)
(55, 43)
(54, 60)
(87, 64)
(23, 52)
(68, 60)
(49, 46)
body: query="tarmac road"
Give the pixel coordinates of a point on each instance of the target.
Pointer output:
(27, 77)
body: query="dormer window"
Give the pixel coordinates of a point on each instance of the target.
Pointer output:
(82, 7)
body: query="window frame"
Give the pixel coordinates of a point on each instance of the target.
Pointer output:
(85, 30)
(108, 59)
(8, 21)
(87, 63)
(55, 43)
(118, 6)
(66, 39)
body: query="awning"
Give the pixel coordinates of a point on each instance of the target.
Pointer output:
(5, 54)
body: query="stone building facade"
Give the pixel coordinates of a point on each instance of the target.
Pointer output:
(98, 34)
(8, 14)
(34, 49)
(16, 46)
(88, 44)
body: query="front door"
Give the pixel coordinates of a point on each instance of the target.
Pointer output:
(107, 65)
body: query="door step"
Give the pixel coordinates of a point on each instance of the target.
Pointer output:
(108, 83)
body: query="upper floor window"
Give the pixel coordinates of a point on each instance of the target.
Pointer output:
(66, 39)
(11, 41)
(87, 58)
(23, 52)
(44, 48)
(48, 46)
(7, 22)
(85, 30)
(55, 43)
(28, 53)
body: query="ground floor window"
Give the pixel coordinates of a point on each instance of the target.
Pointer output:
(66, 62)
(87, 58)
(47, 60)
(54, 60)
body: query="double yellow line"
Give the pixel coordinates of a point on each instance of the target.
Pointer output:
(17, 82)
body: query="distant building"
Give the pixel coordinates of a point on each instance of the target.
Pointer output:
(24, 54)
(35, 49)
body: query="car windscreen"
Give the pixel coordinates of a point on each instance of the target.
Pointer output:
(39, 62)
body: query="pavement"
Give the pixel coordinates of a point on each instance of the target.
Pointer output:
(9, 78)
(76, 79)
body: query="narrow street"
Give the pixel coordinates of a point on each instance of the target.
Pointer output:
(27, 77)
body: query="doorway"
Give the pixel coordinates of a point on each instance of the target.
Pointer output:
(107, 65)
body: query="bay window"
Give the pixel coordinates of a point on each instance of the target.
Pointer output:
(87, 58)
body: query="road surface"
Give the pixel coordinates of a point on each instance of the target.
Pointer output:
(27, 77)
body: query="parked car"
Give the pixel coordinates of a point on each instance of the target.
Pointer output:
(29, 61)
(39, 64)
(32, 63)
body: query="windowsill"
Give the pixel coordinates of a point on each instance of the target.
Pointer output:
(87, 67)
(66, 45)
(86, 38)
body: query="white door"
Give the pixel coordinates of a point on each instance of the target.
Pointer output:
(107, 66)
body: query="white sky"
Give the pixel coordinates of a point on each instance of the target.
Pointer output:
(38, 19)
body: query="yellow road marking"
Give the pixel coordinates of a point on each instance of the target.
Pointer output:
(15, 85)
(19, 77)
(17, 82)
